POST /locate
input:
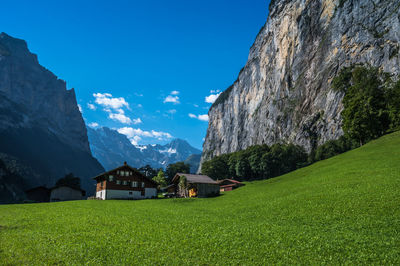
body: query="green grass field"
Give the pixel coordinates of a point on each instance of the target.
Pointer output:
(342, 210)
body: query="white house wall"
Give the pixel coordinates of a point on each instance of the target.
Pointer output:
(101, 194)
(124, 194)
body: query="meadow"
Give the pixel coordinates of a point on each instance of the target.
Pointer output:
(343, 210)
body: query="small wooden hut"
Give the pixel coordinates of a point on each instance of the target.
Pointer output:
(188, 185)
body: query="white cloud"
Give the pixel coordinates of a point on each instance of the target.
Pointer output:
(211, 98)
(200, 117)
(138, 94)
(80, 108)
(120, 117)
(140, 105)
(171, 99)
(214, 91)
(91, 106)
(107, 101)
(136, 134)
(196, 105)
(174, 92)
(93, 124)
(137, 121)
(203, 117)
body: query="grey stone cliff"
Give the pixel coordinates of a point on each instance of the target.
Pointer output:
(284, 94)
(42, 133)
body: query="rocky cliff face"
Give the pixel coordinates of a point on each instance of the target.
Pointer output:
(283, 94)
(41, 126)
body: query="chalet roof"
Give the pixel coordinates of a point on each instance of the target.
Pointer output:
(122, 167)
(229, 180)
(195, 179)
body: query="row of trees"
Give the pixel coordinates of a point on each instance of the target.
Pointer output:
(256, 162)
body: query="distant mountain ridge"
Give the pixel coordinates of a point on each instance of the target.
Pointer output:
(112, 148)
(41, 127)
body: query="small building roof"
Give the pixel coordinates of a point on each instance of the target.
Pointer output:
(229, 180)
(195, 179)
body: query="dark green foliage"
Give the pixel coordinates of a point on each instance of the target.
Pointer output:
(332, 148)
(256, 162)
(69, 180)
(393, 96)
(179, 167)
(370, 102)
(148, 171)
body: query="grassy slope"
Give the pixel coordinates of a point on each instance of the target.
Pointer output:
(342, 210)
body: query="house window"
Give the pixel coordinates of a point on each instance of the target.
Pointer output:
(142, 184)
(110, 178)
(130, 192)
(118, 182)
(134, 184)
(125, 182)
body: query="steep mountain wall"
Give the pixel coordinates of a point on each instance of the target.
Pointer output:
(283, 94)
(41, 126)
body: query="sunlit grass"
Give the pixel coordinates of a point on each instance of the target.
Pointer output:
(342, 210)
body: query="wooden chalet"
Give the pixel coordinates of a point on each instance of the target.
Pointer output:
(229, 184)
(196, 186)
(125, 182)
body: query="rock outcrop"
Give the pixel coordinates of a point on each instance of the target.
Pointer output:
(41, 125)
(284, 94)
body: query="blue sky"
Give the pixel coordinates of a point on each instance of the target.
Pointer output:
(143, 67)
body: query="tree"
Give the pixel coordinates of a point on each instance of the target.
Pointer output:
(148, 171)
(217, 167)
(179, 167)
(183, 186)
(69, 180)
(365, 115)
(242, 167)
(393, 100)
(160, 179)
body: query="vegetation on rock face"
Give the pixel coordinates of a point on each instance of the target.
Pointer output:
(371, 102)
(256, 162)
(344, 210)
(174, 168)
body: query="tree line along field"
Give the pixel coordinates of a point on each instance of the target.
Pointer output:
(343, 210)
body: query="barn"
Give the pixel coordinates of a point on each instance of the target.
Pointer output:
(196, 186)
(64, 193)
(125, 182)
